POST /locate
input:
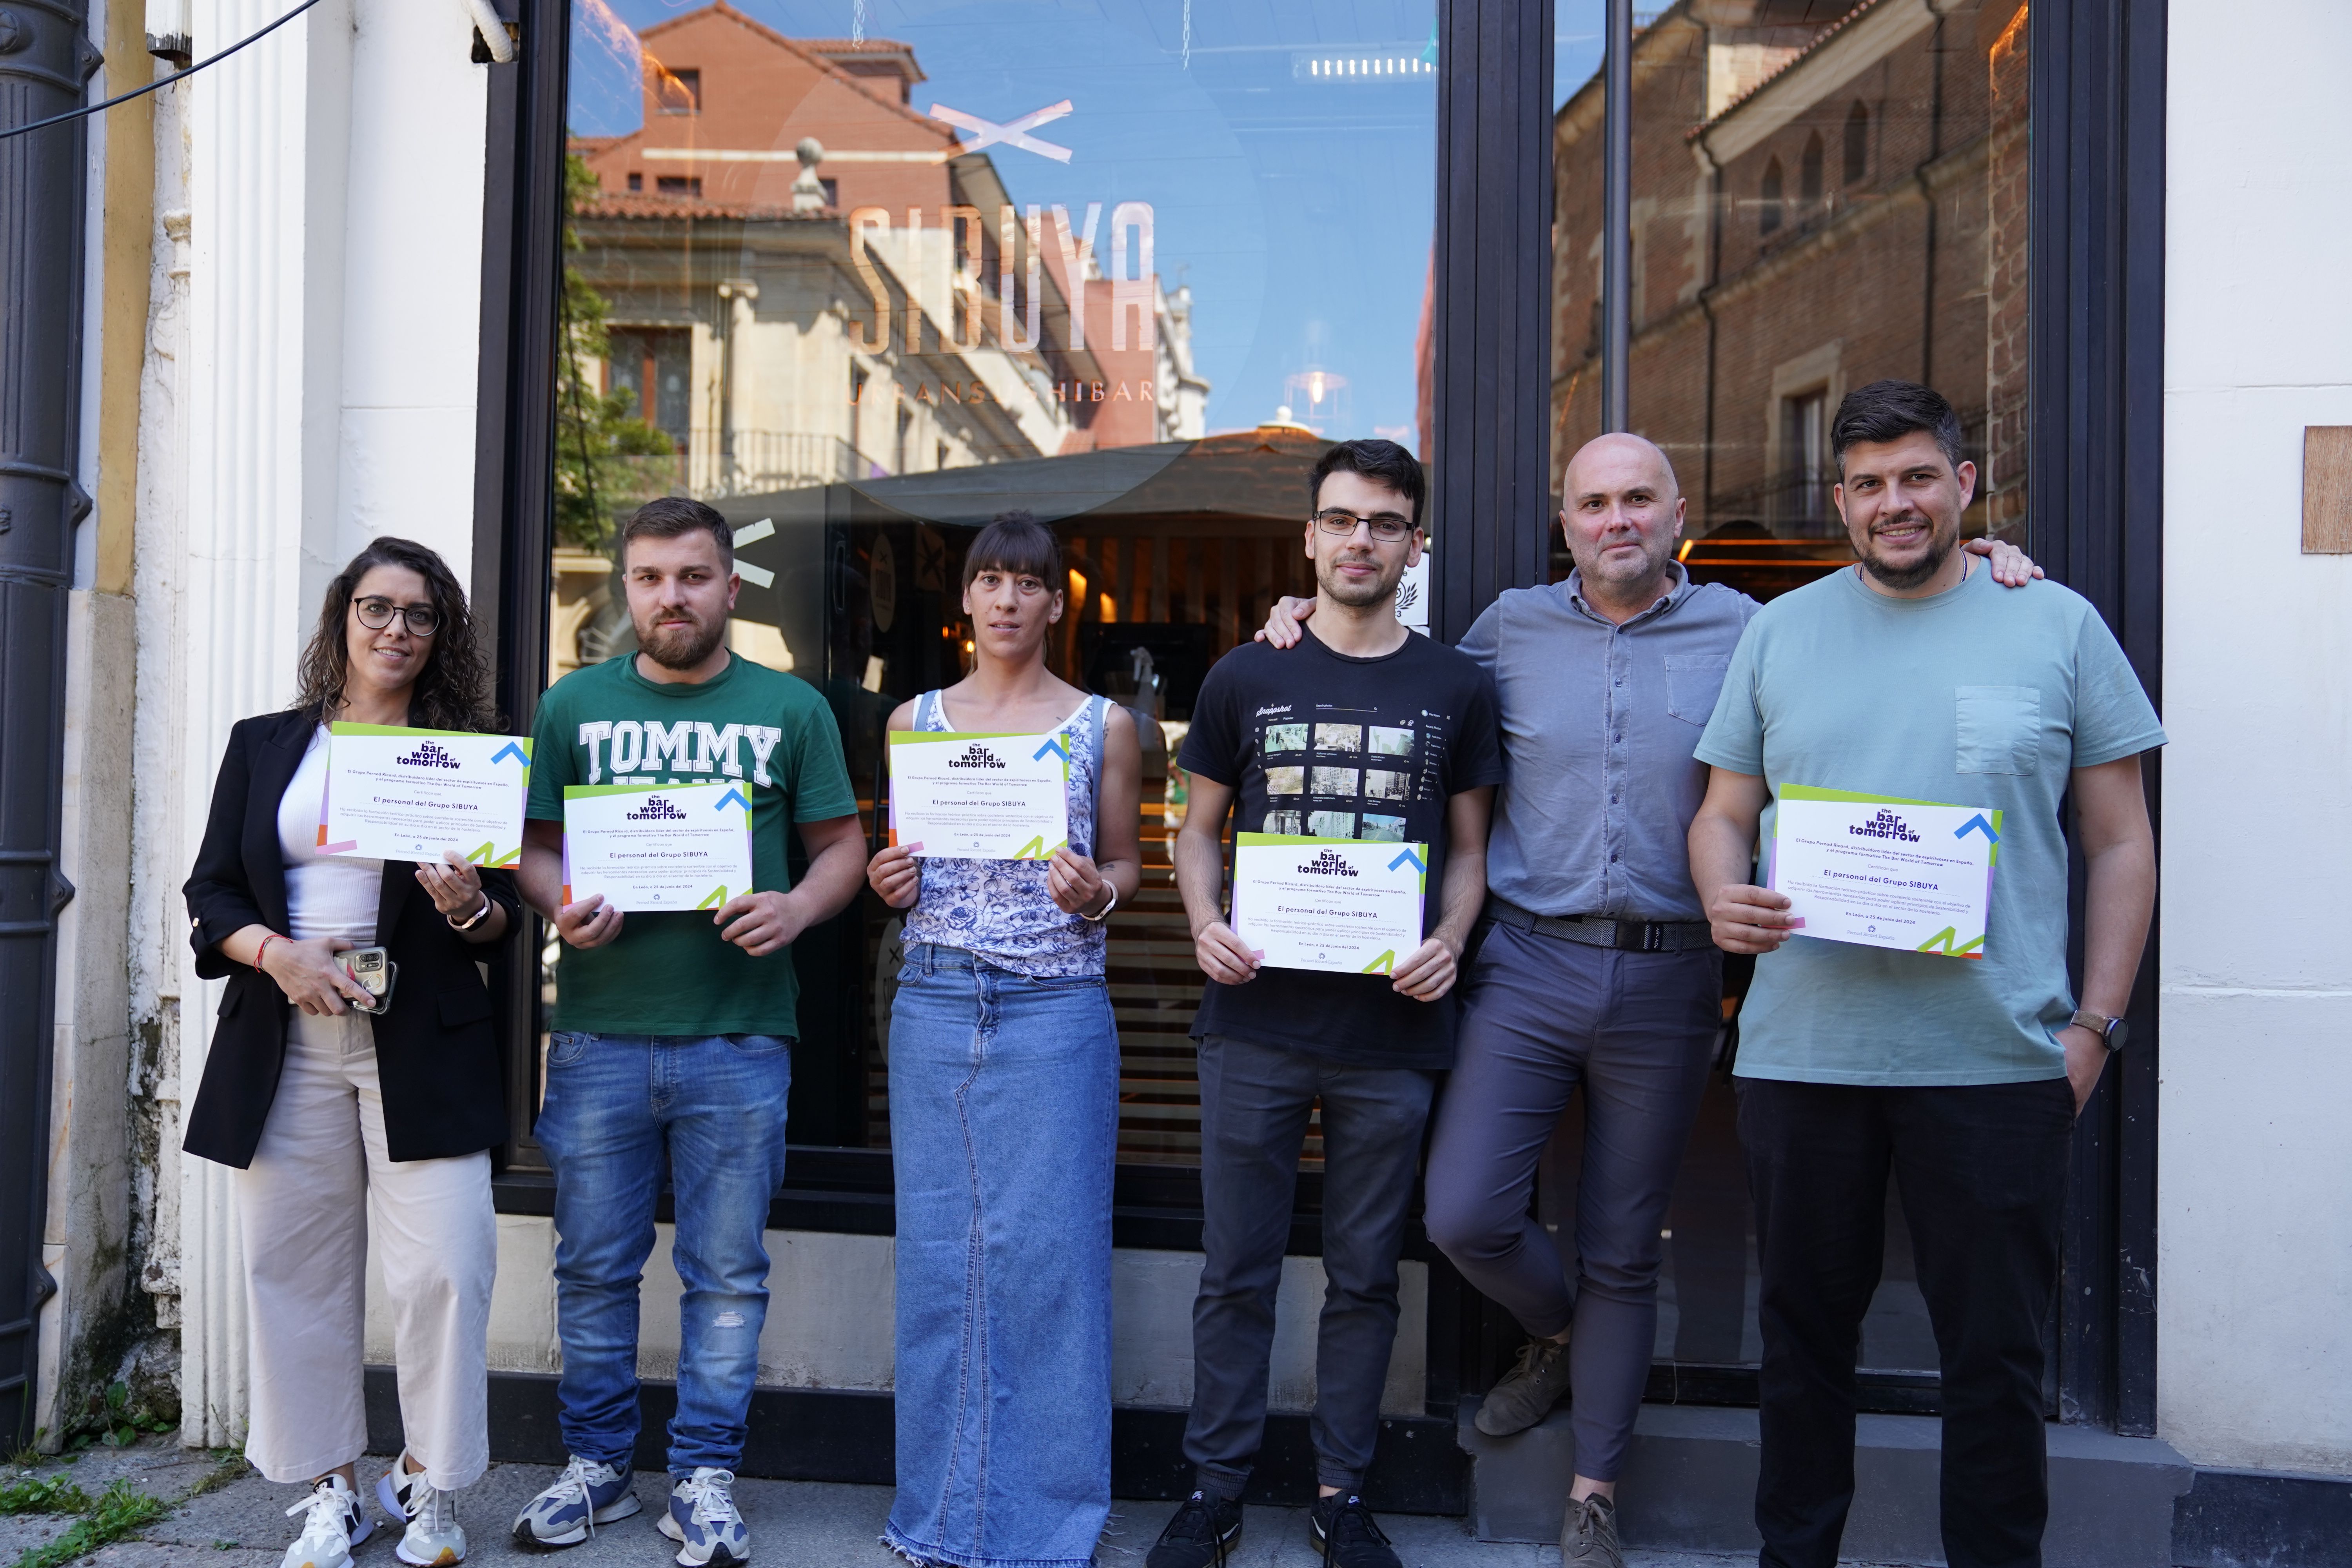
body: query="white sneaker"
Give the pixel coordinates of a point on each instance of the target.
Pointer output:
(702, 1519)
(333, 1522)
(434, 1539)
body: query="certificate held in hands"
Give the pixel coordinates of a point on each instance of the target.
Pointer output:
(656, 847)
(395, 794)
(1348, 906)
(979, 798)
(1881, 872)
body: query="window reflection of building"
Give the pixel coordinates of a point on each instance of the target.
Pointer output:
(1831, 196)
(758, 275)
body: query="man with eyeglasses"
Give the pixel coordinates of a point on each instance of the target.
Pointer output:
(1366, 731)
(1596, 970)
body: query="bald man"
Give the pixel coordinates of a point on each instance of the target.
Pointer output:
(1597, 969)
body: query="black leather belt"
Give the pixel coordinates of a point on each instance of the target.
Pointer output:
(1594, 931)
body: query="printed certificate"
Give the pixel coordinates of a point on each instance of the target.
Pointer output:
(1350, 906)
(656, 847)
(1883, 872)
(409, 795)
(980, 797)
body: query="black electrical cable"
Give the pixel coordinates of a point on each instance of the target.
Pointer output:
(151, 87)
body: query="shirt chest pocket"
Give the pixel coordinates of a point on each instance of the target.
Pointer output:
(1998, 729)
(1693, 680)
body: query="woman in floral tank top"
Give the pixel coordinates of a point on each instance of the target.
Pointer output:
(1005, 1112)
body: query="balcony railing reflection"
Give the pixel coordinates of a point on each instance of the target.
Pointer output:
(718, 463)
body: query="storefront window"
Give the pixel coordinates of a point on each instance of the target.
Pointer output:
(865, 277)
(1820, 196)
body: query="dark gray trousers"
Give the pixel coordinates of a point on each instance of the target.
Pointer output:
(1541, 1017)
(1254, 1101)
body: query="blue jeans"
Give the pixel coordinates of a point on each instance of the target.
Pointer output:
(1003, 1125)
(613, 1104)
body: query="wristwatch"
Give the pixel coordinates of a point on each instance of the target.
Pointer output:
(1097, 920)
(470, 921)
(2110, 1030)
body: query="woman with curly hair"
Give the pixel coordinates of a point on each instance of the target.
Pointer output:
(339, 1120)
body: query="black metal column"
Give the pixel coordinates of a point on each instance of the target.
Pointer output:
(2096, 523)
(45, 58)
(1617, 220)
(514, 447)
(1492, 400)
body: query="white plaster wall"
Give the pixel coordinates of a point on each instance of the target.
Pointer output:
(829, 1318)
(412, 284)
(324, 392)
(2254, 1232)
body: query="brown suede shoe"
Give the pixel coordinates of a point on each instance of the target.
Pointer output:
(1588, 1536)
(1527, 1391)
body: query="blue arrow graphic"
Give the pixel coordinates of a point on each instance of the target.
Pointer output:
(732, 797)
(1407, 857)
(1054, 745)
(510, 749)
(1978, 822)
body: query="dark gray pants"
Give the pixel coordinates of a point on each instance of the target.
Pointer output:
(1254, 1101)
(1541, 1017)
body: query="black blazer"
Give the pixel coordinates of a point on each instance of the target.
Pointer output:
(437, 1054)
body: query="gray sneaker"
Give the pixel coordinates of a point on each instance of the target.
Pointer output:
(434, 1538)
(1527, 1391)
(1588, 1536)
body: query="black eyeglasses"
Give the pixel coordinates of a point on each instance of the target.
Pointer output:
(1387, 526)
(375, 613)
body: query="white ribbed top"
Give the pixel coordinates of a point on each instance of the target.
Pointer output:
(326, 895)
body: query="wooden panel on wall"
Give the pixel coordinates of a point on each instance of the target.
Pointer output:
(2327, 489)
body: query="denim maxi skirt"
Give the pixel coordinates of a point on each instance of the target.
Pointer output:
(1003, 1122)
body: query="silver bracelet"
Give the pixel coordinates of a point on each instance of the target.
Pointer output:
(1098, 919)
(470, 921)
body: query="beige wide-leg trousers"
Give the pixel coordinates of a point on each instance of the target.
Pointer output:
(319, 1181)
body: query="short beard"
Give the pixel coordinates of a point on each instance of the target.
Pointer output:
(683, 650)
(1344, 593)
(1939, 550)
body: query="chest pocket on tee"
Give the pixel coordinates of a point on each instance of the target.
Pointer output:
(1693, 680)
(2000, 729)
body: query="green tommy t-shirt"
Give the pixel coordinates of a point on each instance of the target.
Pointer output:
(1983, 696)
(671, 974)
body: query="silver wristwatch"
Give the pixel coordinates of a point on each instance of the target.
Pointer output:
(1097, 920)
(2110, 1030)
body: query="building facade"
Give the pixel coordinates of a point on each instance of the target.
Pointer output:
(381, 273)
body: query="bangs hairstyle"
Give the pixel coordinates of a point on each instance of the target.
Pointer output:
(1382, 462)
(1015, 543)
(1888, 411)
(451, 693)
(669, 517)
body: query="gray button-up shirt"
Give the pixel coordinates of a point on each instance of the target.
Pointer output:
(1599, 724)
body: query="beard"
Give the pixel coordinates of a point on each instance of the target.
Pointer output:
(1940, 545)
(1357, 594)
(682, 650)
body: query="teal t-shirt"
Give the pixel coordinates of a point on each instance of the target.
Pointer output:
(1982, 696)
(672, 973)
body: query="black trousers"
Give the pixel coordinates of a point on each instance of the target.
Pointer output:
(1983, 1173)
(1254, 1101)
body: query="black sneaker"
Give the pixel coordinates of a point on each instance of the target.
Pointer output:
(1202, 1532)
(1344, 1528)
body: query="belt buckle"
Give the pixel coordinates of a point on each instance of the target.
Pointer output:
(1653, 936)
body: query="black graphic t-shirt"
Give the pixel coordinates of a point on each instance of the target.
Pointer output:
(1318, 742)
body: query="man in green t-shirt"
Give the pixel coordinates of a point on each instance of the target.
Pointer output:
(672, 1031)
(1914, 679)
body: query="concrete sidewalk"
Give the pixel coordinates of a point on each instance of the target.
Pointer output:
(241, 1523)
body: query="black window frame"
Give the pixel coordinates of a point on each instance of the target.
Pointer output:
(2098, 75)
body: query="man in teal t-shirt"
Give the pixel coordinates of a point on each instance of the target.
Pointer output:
(1911, 676)
(673, 1032)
